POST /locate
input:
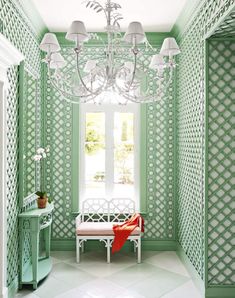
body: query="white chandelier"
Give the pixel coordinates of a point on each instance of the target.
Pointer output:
(106, 77)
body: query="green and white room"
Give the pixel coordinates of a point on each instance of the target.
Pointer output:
(117, 148)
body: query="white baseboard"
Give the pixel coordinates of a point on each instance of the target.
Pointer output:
(4, 292)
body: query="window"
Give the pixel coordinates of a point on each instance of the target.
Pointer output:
(109, 152)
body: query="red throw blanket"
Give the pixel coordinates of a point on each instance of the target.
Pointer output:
(122, 232)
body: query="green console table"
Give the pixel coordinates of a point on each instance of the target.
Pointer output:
(31, 223)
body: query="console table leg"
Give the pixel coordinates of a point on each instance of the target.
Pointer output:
(47, 241)
(35, 253)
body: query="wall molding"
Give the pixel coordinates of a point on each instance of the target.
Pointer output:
(187, 14)
(154, 38)
(32, 16)
(220, 291)
(154, 245)
(192, 271)
(13, 288)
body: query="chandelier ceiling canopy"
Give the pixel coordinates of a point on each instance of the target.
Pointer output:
(116, 76)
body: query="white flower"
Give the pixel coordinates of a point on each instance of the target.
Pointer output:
(37, 157)
(44, 155)
(40, 150)
(47, 149)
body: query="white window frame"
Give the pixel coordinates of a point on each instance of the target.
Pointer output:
(109, 110)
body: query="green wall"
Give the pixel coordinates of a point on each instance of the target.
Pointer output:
(158, 135)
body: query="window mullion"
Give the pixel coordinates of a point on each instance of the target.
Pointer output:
(109, 159)
(82, 154)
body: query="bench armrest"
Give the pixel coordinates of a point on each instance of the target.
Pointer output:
(78, 220)
(140, 222)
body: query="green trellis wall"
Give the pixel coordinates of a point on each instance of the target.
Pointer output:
(211, 256)
(160, 219)
(221, 132)
(16, 27)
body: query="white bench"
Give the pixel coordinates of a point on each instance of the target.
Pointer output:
(96, 221)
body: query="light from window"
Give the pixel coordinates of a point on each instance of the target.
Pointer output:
(109, 152)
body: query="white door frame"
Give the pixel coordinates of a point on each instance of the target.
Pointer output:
(9, 56)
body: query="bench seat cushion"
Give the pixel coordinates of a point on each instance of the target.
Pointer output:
(100, 229)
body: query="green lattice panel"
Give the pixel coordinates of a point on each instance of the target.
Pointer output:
(190, 149)
(12, 178)
(212, 12)
(227, 28)
(16, 28)
(29, 132)
(160, 220)
(221, 204)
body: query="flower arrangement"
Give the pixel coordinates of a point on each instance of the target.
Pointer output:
(41, 153)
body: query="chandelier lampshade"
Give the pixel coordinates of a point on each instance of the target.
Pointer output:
(157, 62)
(169, 47)
(57, 61)
(129, 65)
(135, 33)
(77, 32)
(50, 43)
(89, 66)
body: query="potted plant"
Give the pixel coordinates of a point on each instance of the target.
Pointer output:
(42, 199)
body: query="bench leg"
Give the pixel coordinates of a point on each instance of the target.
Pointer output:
(83, 246)
(108, 251)
(77, 250)
(134, 246)
(139, 251)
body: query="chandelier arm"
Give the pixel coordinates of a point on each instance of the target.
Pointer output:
(65, 93)
(79, 73)
(99, 90)
(143, 99)
(134, 71)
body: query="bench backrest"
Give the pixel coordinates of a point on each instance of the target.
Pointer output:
(102, 210)
(121, 209)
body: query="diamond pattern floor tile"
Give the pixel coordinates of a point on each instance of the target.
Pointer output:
(168, 260)
(100, 288)
(100, 268)
(70, 275)
(133, 274)
(51, 287)
(183, 291)
(63, 255)
(161, 274)
(158, 284)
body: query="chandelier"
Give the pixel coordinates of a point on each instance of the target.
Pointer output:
(118, 75)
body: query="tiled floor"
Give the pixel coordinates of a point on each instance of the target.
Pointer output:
(161, 274)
